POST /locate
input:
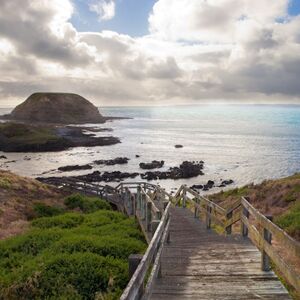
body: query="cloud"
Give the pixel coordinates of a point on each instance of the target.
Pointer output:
(105, 9)
(195, 51)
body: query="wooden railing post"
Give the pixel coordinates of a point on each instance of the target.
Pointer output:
(244, 228)
(184, 197)
(228, 229)
(196, 212)
(154, 225)
(138, 197)
(148, 215)
(265, 259)
(133, 263)
(208, 216)
(133, 204)
(143, 206)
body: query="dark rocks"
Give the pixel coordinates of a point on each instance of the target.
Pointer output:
(224, 183)
(189, 169)
(75, 168)
(155, 164)
(178, 146)
(112, 162)
(228, 182)
(137, 156)
(185, 170)
(106, 176)
(3, 157)
(197, 187)
(209, 185)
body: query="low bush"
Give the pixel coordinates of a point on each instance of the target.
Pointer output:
(86, 204)
(43, 210)
(67, 220)
(70, 256)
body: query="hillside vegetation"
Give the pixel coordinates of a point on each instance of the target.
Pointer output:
(18, 197)
(18, 137)
(279, 198)
(78, 254)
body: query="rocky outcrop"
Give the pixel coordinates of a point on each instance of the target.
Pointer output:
(61, 108)
(186, 170)
(112, 162)
(97, 176)
(75, 168)
(155, 164)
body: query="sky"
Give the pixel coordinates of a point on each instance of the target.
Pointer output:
(151, 52)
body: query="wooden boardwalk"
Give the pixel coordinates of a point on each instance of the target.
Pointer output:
(200, 264)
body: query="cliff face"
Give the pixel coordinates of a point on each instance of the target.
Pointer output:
(57, 108)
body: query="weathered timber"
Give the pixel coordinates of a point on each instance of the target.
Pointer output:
(200, 264)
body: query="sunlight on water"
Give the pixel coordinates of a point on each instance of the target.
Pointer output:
(245, 143)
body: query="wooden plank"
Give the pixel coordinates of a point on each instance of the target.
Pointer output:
(199, 264)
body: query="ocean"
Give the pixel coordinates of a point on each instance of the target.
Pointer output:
(246, 143)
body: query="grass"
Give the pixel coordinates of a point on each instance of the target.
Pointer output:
(21, 133)
(5, 183)
(290, 221)
(70, 255)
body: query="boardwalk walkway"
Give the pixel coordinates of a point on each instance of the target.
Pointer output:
(196, 262)
(200, 264)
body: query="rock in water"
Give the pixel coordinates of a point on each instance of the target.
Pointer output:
(59, 108)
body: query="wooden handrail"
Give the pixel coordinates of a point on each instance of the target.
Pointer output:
(136, 283)
(277, 232)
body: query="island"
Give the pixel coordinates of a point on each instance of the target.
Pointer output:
(42, 123)
(60, 108)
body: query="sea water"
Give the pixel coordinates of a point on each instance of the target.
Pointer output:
(246, 143)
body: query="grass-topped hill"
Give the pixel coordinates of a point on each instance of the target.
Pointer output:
(82, 254)
(279, 198)
(62, 108)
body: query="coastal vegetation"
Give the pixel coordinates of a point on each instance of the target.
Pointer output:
(278, 198)
(76, 252)
(24, 137)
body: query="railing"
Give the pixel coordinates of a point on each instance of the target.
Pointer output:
(254, 225)
(150, 204)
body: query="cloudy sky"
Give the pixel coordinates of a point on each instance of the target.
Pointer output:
(151, 52)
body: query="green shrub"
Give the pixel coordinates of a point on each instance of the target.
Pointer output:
(86, 204)
(114, 246)
(101, 217)
(70, 256)
(290, 221)
(67, 220)
(76, 276)
(43, 210)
